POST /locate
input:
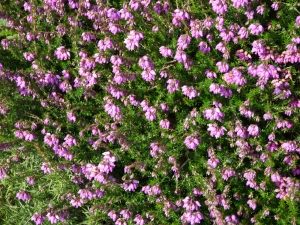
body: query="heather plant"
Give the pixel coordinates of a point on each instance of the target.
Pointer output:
(144, 112)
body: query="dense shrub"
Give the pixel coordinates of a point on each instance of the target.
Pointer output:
(144, 112)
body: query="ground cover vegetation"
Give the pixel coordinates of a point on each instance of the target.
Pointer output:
(149, 112)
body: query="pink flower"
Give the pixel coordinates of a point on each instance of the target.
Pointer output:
(126, 214)
(28, 56)
(216, 131)
(250, 175)
(275, 6)
(190, 204)
(213, 162)
(30, 180)
(191, 217)
(256, 28)
(253, 130)
(151, 113)
(113, 215)
(133, 40)
(192, 141)
(164, 107)
(45, 167)
(62, 53)
(181, 56)
(223, 67)
(204, 47)
(252, 204)
(213, 114)
(165, 51)
(38, 218)
(239, 3)
(148, 74)
(76, 202)
(260, 9)
(173, 85)
(24, 196)
(165, 124)
(179, 15)
(183, 41)
(71, 116)
(139, 220)
(227, 173)
(219, 6)
(130, 185)
(189, 91)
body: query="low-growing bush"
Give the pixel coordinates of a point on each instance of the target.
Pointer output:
(144, 112)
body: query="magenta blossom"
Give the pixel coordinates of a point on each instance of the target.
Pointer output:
(253, 130)
(24, 196)
(165, 51)
(38, 218)
(62, 53)
(256, 28)
(192, 141)
(165, 124)
(189, 91)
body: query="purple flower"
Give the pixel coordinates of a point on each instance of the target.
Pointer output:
(164, 107)
(148, 74)
(204, 48)
(151, 113)
(126, 214)
(133, 40)
(30, 180)
(250, 175)
(219, 6)
(192, 141)
(226, 35)
(213, 114)
(239, 3)
(243, 33)
(227, 173)
(210, 74)
(173, 85)
(190, 205)
(145, 63)
(191, 217)
(165, 51)
(252, 203)
(165, 124)
(183, 41)
(181, 56)
(45, 167)
(223, 67)
(216, 131)
(130, 185)
(28, 56)
(113, 215)
(62, 53)
(213, 162)
(214, 88)
(76, 202)
(197, 29)
(260, 9)
(24, 196)
(298, 20)
(179, 15)
(189, 91)
(256, 28)
(290, 146)
(253, 130)
(275, 6)
(38, 218)
(139, 220)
